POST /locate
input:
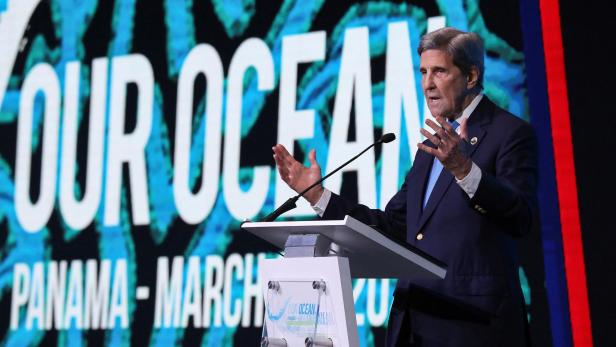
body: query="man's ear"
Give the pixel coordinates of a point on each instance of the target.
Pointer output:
(472, 79)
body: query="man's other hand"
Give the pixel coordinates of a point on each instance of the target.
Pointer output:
(450, 147)
(298, 176)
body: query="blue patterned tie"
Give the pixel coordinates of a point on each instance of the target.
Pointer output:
(437, 167)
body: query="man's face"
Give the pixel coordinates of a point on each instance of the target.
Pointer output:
(444, 85)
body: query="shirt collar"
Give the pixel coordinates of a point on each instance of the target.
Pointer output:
(470, 108)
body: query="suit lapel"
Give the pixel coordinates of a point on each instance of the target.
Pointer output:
(422, 166)
(442, 183)
(475, 130)
(477, 124)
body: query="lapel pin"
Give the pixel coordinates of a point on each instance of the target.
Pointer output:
(474, 140)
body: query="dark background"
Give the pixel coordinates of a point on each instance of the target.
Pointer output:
(588, 43)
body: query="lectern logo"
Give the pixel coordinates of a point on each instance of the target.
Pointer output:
(275, 317)
(302, 315)
(307, 308)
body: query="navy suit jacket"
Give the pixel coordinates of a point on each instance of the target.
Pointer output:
(479, 302)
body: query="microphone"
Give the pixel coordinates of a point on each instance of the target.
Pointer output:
(386, 138)
(290, 203)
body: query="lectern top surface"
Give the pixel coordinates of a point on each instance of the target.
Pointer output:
(371, 254)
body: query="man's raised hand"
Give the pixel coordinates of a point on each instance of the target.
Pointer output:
(450, 147)
(298, 176)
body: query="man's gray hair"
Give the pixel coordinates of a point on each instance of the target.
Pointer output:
(465, 49)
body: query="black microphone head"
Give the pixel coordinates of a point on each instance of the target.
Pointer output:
(386, 138)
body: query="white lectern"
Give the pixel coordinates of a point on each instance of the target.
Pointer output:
(308, 294)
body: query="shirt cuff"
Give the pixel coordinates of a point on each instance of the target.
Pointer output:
(321, 205)
(470, 183)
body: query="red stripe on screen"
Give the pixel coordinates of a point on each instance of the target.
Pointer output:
(565, 173)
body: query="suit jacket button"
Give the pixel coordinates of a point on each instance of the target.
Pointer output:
(419, 236)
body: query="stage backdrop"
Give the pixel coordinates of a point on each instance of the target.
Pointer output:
(137, 135)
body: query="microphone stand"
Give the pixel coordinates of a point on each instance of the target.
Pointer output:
(291, 202)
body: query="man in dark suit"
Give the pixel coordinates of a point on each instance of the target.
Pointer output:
(470, 192)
